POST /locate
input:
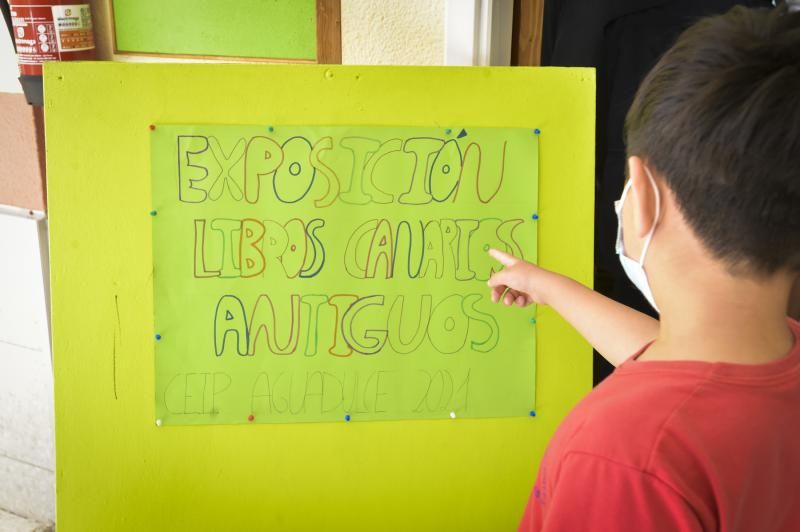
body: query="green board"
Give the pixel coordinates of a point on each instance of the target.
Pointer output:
(116, 470)
(259, 29)
(329, 273)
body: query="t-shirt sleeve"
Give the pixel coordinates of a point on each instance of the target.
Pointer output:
(593, 493)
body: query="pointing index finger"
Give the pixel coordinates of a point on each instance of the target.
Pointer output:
(503, 258)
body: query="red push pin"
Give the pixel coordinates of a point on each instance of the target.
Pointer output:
(251, 417)
(152, 127)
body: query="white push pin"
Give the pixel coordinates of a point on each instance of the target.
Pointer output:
(158, 422)
(452, 415)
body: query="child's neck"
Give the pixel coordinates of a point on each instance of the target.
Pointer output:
(711, 316)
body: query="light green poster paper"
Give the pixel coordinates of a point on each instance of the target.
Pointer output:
(316, 273)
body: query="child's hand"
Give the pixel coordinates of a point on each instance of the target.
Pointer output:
(519, 282)
(613, 329)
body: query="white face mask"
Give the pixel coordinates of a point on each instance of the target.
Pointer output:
(635, 270)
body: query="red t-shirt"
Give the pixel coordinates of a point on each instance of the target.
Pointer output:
(677, 446)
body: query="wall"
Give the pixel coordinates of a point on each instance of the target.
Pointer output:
(388, 32)
(8, 62)
(22, 144)
(26, 378)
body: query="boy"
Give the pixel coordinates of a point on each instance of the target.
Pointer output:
(700, 428)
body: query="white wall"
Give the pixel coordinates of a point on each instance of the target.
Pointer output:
(26, 377)
(8, 62)
(396, 32)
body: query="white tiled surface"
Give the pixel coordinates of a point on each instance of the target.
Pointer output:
(27, 490)
(26, 378)
(13, 523)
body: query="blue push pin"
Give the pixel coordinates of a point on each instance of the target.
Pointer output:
(536, 131)
(347, 417)
(270, 129)
(533, 321)
(448, 131)
(533, 413)
(534, 216)
(158, 337)
(153, 212)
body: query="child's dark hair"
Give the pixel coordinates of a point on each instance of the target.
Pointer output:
(719, 118)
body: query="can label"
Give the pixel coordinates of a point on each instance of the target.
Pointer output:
(73, 27)
(45, 33)
(34, 34)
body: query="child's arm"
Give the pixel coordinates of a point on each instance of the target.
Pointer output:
(615, 330)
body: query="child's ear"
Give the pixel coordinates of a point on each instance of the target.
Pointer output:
(643, 197)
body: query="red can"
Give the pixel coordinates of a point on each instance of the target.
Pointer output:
(55, 30)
